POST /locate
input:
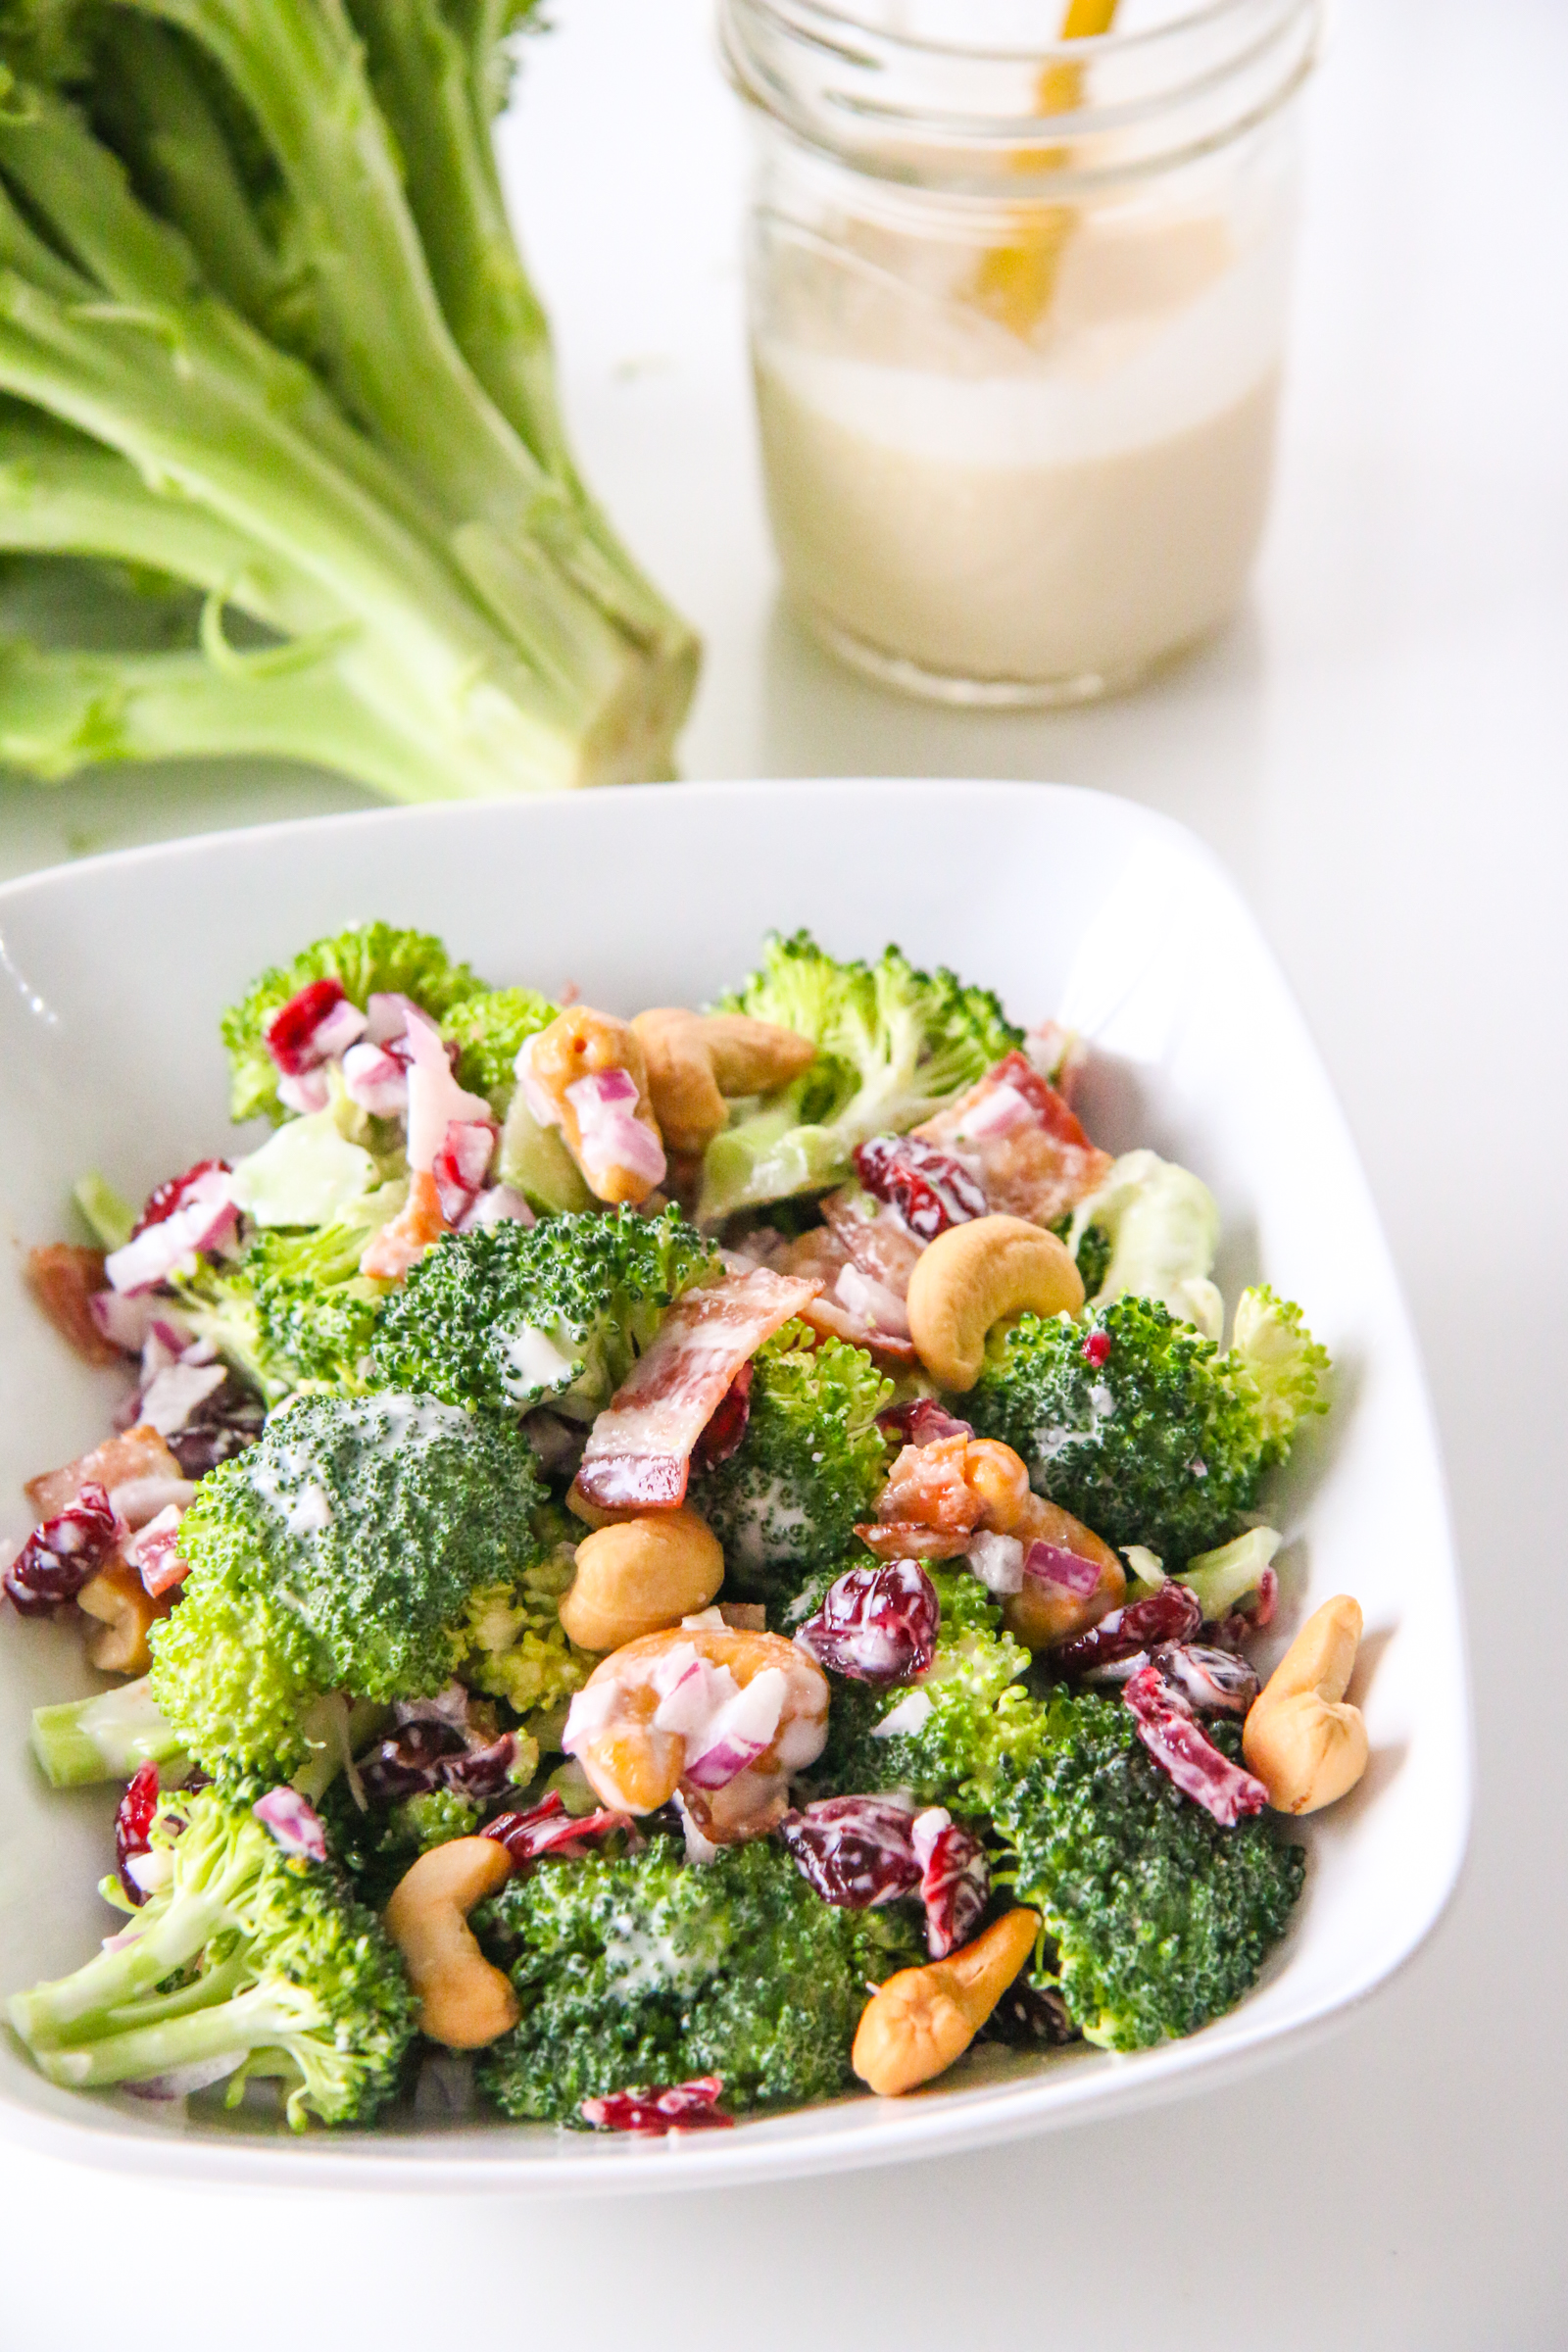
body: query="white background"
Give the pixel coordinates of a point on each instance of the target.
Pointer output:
(1379, 749)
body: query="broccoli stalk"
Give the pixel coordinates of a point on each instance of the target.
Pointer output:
(277, 1971)
(102, 1738)
(894, 1045)
(267, 401)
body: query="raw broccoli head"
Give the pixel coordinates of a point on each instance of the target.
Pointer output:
(1160, 1918)
(488, 1029)
(341, 1552)
(375, 1848)
(894, 1045)
(513, 1316)
(1141, 1427)
(293, 1308)
(369, 958)
(513, 1644)
(263, 1960)
(812, 1462)
(979, 1721)
(648, 1970)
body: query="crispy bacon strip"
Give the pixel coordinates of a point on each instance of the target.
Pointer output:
(639, 1449)
(1033, 1159)
(821, 1257)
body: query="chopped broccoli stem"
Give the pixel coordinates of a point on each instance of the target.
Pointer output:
(103, 1738)
(112, 1220)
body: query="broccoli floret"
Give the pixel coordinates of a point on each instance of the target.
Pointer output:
(648, 1970)
(894, 1045)
(488, 1030)
(812, 1462)
(369, 958)
(1161, 1919)
(341, 1552)
(513, 1644)
(244, 1955)
(1141, 1427)
(293, 1308)
(1288, 1368)
(978, 1722)
(513, 1316)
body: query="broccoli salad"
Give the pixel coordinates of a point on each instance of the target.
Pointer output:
(658, 1568)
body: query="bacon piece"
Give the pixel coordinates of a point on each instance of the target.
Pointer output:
(873, 1237)
(820, 1256)
(639, 1449)
(140, 1452)
(417, 1223)
(1032, 1158)
(63, 1277)
(912, 1539)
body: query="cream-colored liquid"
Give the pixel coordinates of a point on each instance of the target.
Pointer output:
(1068, 520)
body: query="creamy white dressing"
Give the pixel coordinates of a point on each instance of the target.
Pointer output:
(535, 1364)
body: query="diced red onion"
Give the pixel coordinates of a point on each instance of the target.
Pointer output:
(376, 1081)
(176, 1393)
(613, 1136)
(387, 1016)
(1053, 1564)
(310, 1092)
(462, 1165)
(343, 1026)
(435, 1098)
(206, 1217)
(997, 1561)
(123, 1322)
(293, 1821)
(499, 1205)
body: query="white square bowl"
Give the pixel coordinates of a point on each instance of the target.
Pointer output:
(113, 974)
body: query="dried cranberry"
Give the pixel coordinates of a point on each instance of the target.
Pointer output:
(854, 1850)
(547, 1828)
(876, 1625)
(1211, 1682)
(685, 2107)
(290, 1034)
(62, 1555)
(929, 1189)
(222, 1425)
(409, 1762)
(165, 1198)
(1182, 1752)
(1030, 2016)
(727, 1424)
(482, 1770)
(133, 1823)
(920, 1423)
(954, 1879)
(1170, 1614)
(1097, 1349)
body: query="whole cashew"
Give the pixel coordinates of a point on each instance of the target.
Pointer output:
(973, 1275)
(636, 1763)
(465, 2002)
(125, 1607)
(922, 2019)
(639, 1576)
(1307, 1745)
(577, 1044)
(696, 1060)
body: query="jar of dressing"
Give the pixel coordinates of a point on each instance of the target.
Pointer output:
(1017, 312)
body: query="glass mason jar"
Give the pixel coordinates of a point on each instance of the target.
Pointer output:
(1017, 312)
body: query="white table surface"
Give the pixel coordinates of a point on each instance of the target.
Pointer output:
(1379, 748)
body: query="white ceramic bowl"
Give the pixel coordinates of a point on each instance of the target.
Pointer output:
(112, 977)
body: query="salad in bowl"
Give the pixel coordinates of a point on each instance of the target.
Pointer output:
(674, 1567)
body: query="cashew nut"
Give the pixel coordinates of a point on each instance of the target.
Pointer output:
(579, 1044)
(1305, 1742)
(661, 1703)
(1045, 1610)
(695, 1060)
(117, 1598)
(922, 2019)
(640, 1575)
(465, 2002)
(972, 1276)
